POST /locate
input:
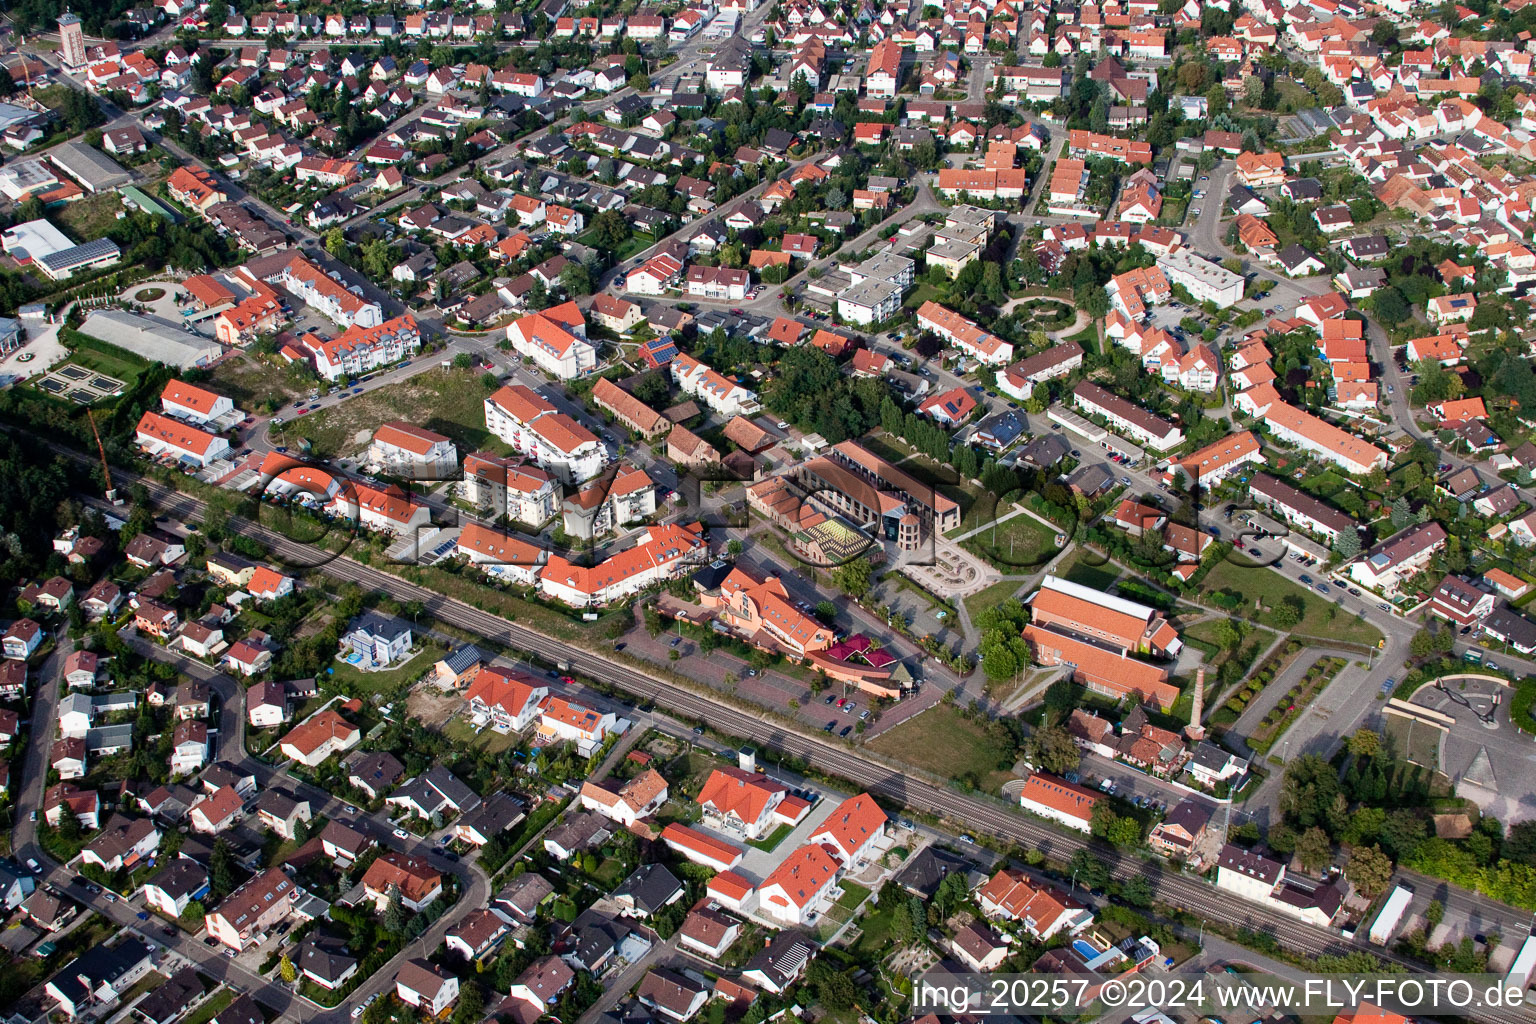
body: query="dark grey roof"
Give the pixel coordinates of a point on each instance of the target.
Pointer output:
(1209, 755)
(1045, 451)
(99, 965)
(389, 627)
(523, 894)
(495, 816)
(242, 1011)
(649, 887)
(324, 958)
(181, 877)
(1001, 427)
(923, 873)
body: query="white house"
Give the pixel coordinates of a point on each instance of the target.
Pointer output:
(555, 339)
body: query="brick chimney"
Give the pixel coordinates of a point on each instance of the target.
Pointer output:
(1194, 730)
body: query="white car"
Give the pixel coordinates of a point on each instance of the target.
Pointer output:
(401, 833)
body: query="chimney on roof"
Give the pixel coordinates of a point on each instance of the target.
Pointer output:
(1194, 730)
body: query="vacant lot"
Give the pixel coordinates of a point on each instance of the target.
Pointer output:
(451, 402)
(91, 217)
(250, 381)
(943, 742)
(1270, 588)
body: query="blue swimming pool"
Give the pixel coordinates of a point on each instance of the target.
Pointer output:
(1084, 949)
(354, 658)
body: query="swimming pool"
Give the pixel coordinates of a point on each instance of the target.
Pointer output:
(1084, 949)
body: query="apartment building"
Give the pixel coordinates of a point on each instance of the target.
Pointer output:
(361, 348)
(963, 334)
(720, 393)
(1299, 508)
(523, 418)
(1128, 418)
(555, 339)
(507, 487)
(414, 453)
(1218, 460)
(661, 553)
(246, 915)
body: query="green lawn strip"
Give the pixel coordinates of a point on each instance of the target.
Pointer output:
(210, 1007)
(775, 837)
(1016, 545)
(1294, 703)
(991, 597)
(1089, 569)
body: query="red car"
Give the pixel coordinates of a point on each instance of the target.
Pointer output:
(738, 312)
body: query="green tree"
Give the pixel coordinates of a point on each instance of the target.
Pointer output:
(394, 919)
(286, 970)
(853, 577)
(221, 868)
(1314, 849)
(1137, 891)
(471, 1003)
(1365, 743)
(1370, 870)
(1053, 749)
(336, 243)
(1347, 544)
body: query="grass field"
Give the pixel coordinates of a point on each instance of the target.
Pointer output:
(451, 402)
(940, 741)
(1086, 568)
(1414, 742)
(249, 380)
(95, 354)
(773, 839)
(1265, 585)
(996, 594)
(211, 1007)
(1019, 544)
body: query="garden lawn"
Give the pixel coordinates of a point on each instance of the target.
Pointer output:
(451, 402)
(1418, 743)
(92, 216)
(1262, 584)
(211, 1007)
(387, 681)
(487, 739)
(775, 837)
(942, 742)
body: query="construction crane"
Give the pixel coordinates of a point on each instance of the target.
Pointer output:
(106, 471)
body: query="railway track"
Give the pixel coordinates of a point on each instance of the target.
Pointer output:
(1173, 889)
